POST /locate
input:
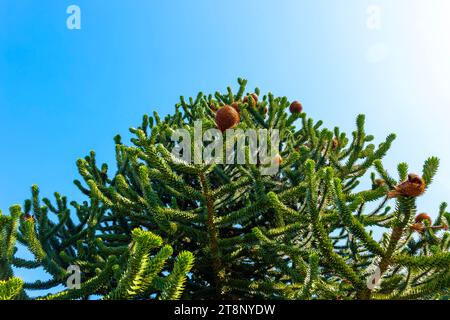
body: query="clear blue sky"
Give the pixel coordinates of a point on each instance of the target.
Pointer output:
(66, 92)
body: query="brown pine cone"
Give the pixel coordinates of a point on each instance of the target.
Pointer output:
(227, 117)
(255, 98)
(235, 105)
(296, 107)
(422, 217)
(414, 186)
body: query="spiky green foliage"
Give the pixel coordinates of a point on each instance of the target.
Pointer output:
(133, 265)
(311, 231)
(10, 288)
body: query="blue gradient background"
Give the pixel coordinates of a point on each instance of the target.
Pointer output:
(66, 92)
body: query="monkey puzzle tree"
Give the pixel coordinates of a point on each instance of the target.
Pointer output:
(308, 231)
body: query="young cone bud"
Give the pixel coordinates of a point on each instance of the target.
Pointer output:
(278, 159)
(213, 107)
(28, 217)
(418, 227)
(335, 144)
